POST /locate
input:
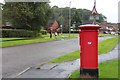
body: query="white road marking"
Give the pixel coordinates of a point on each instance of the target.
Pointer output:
(23, 71)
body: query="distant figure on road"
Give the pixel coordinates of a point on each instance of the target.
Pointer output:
(50, 34)
(50, 31)
(58, 31)
(55, 34)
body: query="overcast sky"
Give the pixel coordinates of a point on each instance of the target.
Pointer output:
(109, 8)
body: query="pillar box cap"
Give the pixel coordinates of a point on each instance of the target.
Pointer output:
(89, 27)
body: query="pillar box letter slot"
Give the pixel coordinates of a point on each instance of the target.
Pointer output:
(89, 50)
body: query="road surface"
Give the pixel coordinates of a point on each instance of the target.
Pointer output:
(18, 58)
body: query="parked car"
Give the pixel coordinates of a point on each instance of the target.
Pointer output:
(119, 33)
(112, 33)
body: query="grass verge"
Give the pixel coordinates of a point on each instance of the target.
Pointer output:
(44, 38)
(104, 47)
(108, 69)
(67, 57)
(10, 38)
(107, 45)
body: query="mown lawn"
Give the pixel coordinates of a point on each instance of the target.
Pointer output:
(108, 69)
(104, 47)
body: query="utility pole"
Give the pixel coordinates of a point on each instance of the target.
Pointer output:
(94, 21)
(61, 21)
(69, 17)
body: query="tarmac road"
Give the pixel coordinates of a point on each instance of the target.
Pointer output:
(18, 58)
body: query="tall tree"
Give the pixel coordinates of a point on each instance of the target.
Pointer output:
(78, 16)
(27, 15)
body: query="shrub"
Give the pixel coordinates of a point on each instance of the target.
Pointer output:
(18, 33)
(101, 35)
(43, 32)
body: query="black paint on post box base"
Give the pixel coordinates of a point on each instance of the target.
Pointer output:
(88, 73)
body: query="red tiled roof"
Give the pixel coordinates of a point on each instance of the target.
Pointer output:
(55, 25)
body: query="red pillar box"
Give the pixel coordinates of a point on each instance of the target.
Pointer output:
(89, 50)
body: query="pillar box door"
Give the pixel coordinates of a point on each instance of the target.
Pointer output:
(89, 50)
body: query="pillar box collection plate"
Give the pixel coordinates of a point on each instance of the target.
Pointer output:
(89, 50)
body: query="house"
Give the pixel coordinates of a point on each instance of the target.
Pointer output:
(52, 26)
(7, 25)
(109, 27)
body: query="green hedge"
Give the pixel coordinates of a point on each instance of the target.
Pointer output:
(18, 33)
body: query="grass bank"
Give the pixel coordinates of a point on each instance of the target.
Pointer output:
(107, 45)
(104, 47)
(67, 57)
(44, 38)
(108, 69)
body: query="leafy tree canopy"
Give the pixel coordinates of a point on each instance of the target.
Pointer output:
(27, 15)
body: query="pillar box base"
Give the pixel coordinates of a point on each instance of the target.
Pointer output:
(88, 73)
